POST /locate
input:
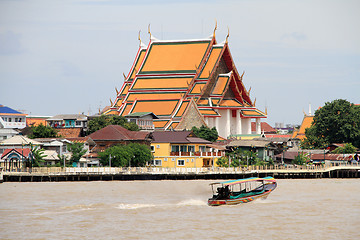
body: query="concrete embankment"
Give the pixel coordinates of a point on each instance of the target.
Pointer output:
(113, 174)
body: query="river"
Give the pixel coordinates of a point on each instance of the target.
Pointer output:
(297, 209)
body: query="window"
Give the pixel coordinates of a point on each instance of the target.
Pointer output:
(9, 119)
(187, 160)
(181, 162)
(173, 159)
(152, 148)
(192, 160)
(183, 148)
(175, 148)
(202, 148)
(78, 123)
(157, 146)
(165, 159)
(191, 148)
(157, 162)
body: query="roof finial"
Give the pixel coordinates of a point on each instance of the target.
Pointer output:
(117, 91)
(254, 102)
(215, 27)
(149, 31)
(111, 102)
(139, 39)
(227, 37)
(266, 110)
(124, 76)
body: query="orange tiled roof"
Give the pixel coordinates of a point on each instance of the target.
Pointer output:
(197, 87)
(150, 83)
(221, 84)
(154, 96)
(182, 109)
(160, 123)
(159, 108)
(306, 123)
(170, 57)
(230, 103)
(210, 64)
(252, 113)
(208, 112)
(139, 58)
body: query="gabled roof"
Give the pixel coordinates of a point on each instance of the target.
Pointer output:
(306, 123)
(21, 151)
(264, 127)
(118, 133)
(177, 137)
(19, 140)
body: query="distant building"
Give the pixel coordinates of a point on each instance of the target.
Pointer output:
(14, 159)
(36, 120)
(69, 125)
(265, 128)
(11, 119)
(114, 134)
(306, 123)
(174, 149)
(188, 83)
(143, 119)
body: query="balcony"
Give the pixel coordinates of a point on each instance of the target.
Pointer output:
(197, 154)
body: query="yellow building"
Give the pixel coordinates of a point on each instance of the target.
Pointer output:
(172, 149)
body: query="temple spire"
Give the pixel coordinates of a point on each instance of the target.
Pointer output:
(215, 28)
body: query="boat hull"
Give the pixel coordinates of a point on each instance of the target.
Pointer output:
(218, 202)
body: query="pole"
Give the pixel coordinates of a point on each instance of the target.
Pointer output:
(110, 160)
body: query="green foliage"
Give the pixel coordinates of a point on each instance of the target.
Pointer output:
(301, 159)
(223, 162)
(77, 150)
(105, 120)
(62, 158)
(206, 133)
(37, 156)
(42, 131)
(133, 154)
(312, 140)
(347, 148)
(336, 122)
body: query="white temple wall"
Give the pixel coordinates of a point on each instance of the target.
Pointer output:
(246, 125)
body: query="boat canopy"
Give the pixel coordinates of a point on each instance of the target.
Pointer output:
(252, 179)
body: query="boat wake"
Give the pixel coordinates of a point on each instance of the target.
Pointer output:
(188, 202)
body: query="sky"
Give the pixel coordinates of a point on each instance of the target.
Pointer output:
(67, 57)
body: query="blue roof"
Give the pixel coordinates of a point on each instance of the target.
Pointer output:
(4, 109)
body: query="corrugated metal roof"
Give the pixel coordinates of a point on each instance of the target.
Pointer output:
(177, 137)
(4, 109)
(116, 132)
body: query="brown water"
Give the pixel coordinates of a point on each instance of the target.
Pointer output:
(297, 209)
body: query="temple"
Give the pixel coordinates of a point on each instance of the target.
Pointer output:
(188, 83)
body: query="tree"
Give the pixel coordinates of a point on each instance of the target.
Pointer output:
(77, 150)
(37, 155)
(133, 154)
(42, 131)
(347, 148)
(206, 133)
(336, 122)
(301, 159)
(105, 120)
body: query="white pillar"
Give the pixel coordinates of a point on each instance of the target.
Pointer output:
(206, 121)
(238, 122)
(228, 122)
(258, 126)
(217, 124)
(246, 125)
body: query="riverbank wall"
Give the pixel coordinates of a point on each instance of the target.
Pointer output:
(133, 174)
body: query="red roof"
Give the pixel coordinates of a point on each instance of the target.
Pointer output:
(177, 137)
(264, 127)
(116, 133)
(21, 151)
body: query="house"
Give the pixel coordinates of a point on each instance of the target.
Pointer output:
(51, 158)
(264, 148)
(69, 125)
(13, 159)
(188, 83)
(10, 118)
(17, 141)
(113, 135)
(143, 119)
(59, 145)
(173, 149)
(36, 120)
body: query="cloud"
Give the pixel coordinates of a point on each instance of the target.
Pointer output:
(10, 43)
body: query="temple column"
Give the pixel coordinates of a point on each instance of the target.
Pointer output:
(206, 121)
(258, 126)
(246, 125)
(238, 122)
(228, 122)
(217, 124)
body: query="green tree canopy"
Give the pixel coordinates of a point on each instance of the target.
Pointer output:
(133, 154)
(206, 133)
(105, 120)
(336, 122)
(347, 148)
(77, 150)
(42, 131)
